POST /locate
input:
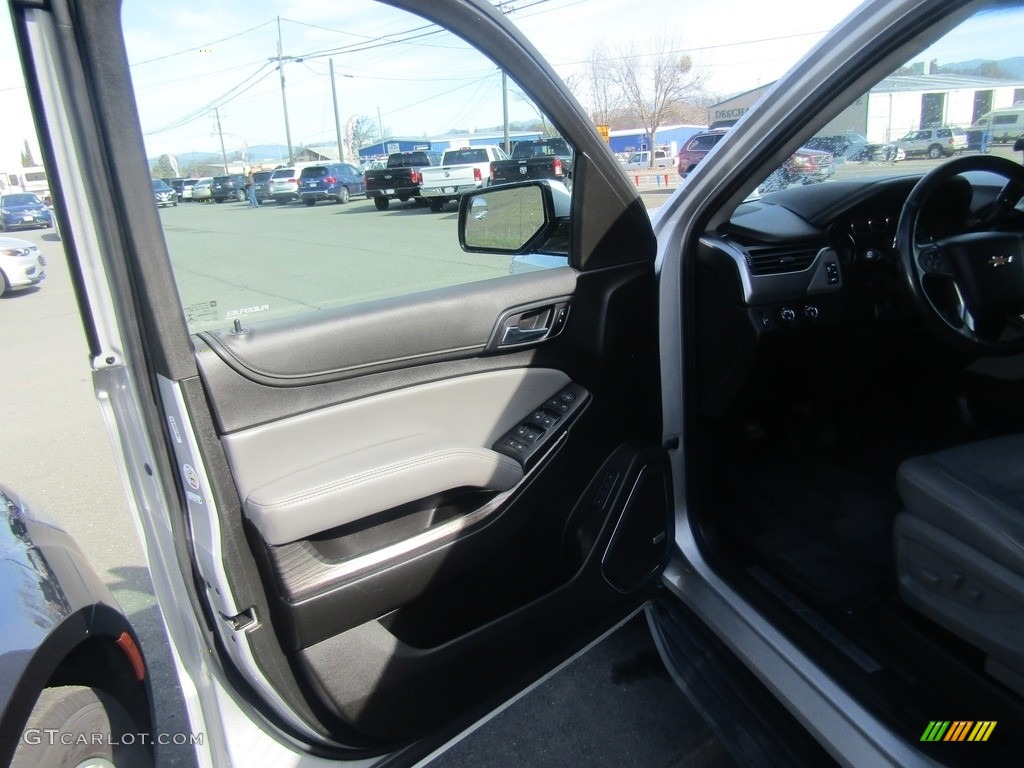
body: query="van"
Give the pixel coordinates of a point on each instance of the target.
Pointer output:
(1004, 125)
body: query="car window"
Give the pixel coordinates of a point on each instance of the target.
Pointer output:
(939, 105)
(307, 249)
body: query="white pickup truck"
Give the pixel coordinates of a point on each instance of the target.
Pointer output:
(461, 170)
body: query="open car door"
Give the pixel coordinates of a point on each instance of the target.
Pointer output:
(388, 483)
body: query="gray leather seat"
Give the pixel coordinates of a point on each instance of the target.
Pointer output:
(960, 546)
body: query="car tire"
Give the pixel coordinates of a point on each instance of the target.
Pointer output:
(4, 285)
(343, 195)
(309, 202)
(99, 729)
(381, 203)
(436, 204)
(239, 195)
(934, 151)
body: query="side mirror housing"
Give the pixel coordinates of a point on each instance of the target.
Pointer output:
(525, 217)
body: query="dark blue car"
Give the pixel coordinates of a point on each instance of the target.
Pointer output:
(330, 181)
(23, 210)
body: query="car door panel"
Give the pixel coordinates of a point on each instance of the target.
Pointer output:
(423, 598)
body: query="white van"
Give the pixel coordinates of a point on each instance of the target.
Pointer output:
(1004, 125)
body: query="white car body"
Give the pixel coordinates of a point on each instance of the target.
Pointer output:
(21, 264)
(453, 177)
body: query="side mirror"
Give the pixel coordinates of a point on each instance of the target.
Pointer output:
(1018, 145)
(526, 217)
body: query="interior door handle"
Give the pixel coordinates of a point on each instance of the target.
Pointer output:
(520, 329)
(530, 325)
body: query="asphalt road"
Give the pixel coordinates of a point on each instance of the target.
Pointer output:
(614, 706)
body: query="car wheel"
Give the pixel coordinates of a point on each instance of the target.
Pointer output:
(435, 204)
(239, 195)
(381, 203)
(343, 195)
(934, 151)
(78, 726)
(4, 285)
(310, 202)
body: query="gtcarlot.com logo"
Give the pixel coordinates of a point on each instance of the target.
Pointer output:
(51, 736)
(958, 730)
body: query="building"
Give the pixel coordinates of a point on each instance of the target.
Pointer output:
(899, 104)
(441, 143)
(670, 137)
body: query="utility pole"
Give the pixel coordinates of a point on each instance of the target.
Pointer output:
(337, 120)
(280, 59)
(223, 152)
(380, 125)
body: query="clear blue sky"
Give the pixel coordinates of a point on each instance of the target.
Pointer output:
(189, 56)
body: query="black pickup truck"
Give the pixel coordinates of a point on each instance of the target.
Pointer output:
(535, 159)
(399, 179)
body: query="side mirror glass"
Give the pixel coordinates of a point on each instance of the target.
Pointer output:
(503, 219)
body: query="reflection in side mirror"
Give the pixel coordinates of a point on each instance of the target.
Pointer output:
(504, 219)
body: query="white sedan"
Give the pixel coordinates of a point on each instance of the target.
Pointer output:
(21, 265)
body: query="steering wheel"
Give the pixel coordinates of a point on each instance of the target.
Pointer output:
(969, 285)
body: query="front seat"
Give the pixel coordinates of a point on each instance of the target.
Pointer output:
(960, 547)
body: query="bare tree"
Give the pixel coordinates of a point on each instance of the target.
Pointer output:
(604, 94)
(365, 132)
(653, 78)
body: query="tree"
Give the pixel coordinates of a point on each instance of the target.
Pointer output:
(163, 168)
(652, 79)
(603, 93)
(366, 131)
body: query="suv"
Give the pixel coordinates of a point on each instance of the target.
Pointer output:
(283, 185)
(230, 187)
(693, 151)
(935, 142)
(332, 181)
(261, 180)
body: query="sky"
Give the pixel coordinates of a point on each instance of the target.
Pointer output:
(188, 58)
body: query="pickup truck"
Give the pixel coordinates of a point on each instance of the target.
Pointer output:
(461, 170)
(535, 159)
(399, 179)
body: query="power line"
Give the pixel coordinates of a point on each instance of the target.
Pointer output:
(195, 48)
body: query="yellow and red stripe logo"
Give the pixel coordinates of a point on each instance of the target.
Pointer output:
(958, 730)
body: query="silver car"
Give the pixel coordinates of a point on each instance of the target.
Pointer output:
(283, 185)
(21, 265)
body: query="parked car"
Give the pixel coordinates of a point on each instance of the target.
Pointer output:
(283, 185)
(695, 148)
(202, 190)
(262, 181)
(640, 160)
(229, 187)
(854, 148)
(21, 265)
(461, 170)
(186, 188)
(535, 159)
(399, 179)
(936, 142)
(331, 181)
(386, 486)
(164, 193)
(23, 210)
(178, 185)
(76, 686)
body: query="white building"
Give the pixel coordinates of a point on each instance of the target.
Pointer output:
(900, 104)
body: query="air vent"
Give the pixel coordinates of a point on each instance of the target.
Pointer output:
(779, 260)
